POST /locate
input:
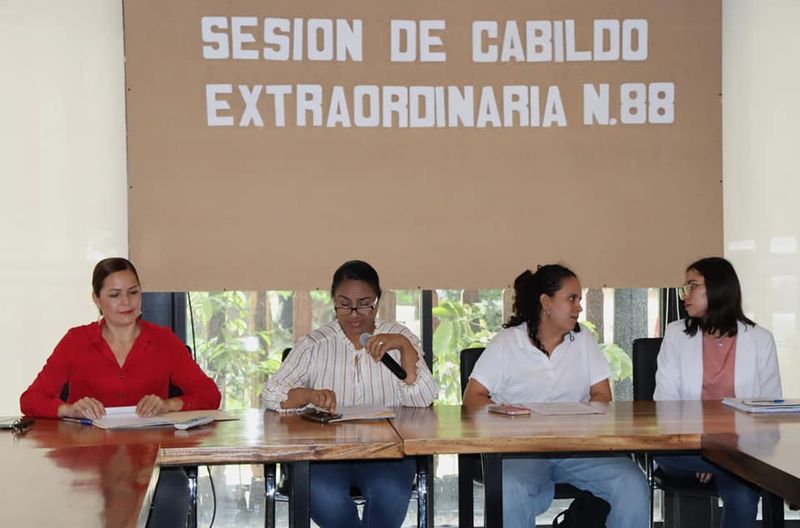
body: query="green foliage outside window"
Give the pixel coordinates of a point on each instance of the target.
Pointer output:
(460, 326)
(240, 337)
(230, 347)
(618, 359)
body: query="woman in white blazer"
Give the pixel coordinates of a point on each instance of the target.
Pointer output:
(716, 352)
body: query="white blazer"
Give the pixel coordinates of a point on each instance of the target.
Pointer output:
(680, 364)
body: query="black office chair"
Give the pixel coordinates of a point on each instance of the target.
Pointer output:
(422, 492)
(470, 467)
(687, 502)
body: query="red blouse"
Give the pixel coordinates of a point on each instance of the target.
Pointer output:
(84, 360)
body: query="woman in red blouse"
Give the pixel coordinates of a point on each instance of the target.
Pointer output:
(123, 361)
(119, 360)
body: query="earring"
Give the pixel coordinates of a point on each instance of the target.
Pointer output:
(547, 312)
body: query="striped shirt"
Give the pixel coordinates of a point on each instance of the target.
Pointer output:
(327, 359)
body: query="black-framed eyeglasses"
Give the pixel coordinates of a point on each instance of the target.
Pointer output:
(360, 310)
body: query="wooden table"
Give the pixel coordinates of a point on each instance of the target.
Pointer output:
(91, 477)
(256, 437)
(769, 458)
(106, 485)
(269, 437)
(624, 427)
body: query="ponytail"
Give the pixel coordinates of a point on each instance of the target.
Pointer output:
(528, 288)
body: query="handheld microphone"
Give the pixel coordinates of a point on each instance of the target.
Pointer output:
(387, 360)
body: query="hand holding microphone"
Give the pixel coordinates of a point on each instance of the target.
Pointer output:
(386, 359)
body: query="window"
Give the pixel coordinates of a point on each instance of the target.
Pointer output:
(239, 336)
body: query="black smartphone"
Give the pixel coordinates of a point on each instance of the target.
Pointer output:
(320, 416)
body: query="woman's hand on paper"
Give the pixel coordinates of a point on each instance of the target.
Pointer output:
(84, 408)
(151, 405)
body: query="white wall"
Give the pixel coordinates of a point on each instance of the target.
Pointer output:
(63, 202)
(761, 157)
(62, 168)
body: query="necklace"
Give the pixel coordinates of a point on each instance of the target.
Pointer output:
(719, 340)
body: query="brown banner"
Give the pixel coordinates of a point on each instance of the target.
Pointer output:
(449, 144)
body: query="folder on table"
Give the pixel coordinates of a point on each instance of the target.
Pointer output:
(763, 405)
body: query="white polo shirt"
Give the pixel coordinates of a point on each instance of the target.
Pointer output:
(515, 371)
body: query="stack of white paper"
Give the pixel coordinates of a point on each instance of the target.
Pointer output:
(363, 412)
(126, 418)
(763, 405)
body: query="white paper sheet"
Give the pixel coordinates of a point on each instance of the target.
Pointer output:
(563, 408)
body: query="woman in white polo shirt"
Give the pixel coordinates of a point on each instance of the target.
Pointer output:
(544, 355)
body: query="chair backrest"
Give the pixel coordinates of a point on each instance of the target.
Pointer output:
(174, 390)
(285, 353)
(645, 363)
(469, 356)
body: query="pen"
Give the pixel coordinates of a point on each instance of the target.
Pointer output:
(82, 421)
(768, 401)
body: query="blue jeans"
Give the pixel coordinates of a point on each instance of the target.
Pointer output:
(529, 487)
(384, 484)
(740, 499)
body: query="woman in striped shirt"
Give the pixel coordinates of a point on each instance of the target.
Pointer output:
(330, 367)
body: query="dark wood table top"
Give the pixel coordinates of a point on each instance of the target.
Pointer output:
(626, 426)
(255, 437)
(105, 485)
(769, 458)
(266, 436)
(89, 477)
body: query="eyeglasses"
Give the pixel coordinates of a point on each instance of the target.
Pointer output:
(686, 290)
(360, 310)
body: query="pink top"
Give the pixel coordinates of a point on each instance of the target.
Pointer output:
(719, 358)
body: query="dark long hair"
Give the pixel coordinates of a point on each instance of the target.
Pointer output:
(356, 270)
(528, 287)
(106, 267)
(724, 296)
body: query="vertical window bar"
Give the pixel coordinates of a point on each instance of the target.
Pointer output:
(426, 318)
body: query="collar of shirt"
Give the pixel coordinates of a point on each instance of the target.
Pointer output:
(145, 330)
(341, 335)
(144, 338)
(525, 343)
